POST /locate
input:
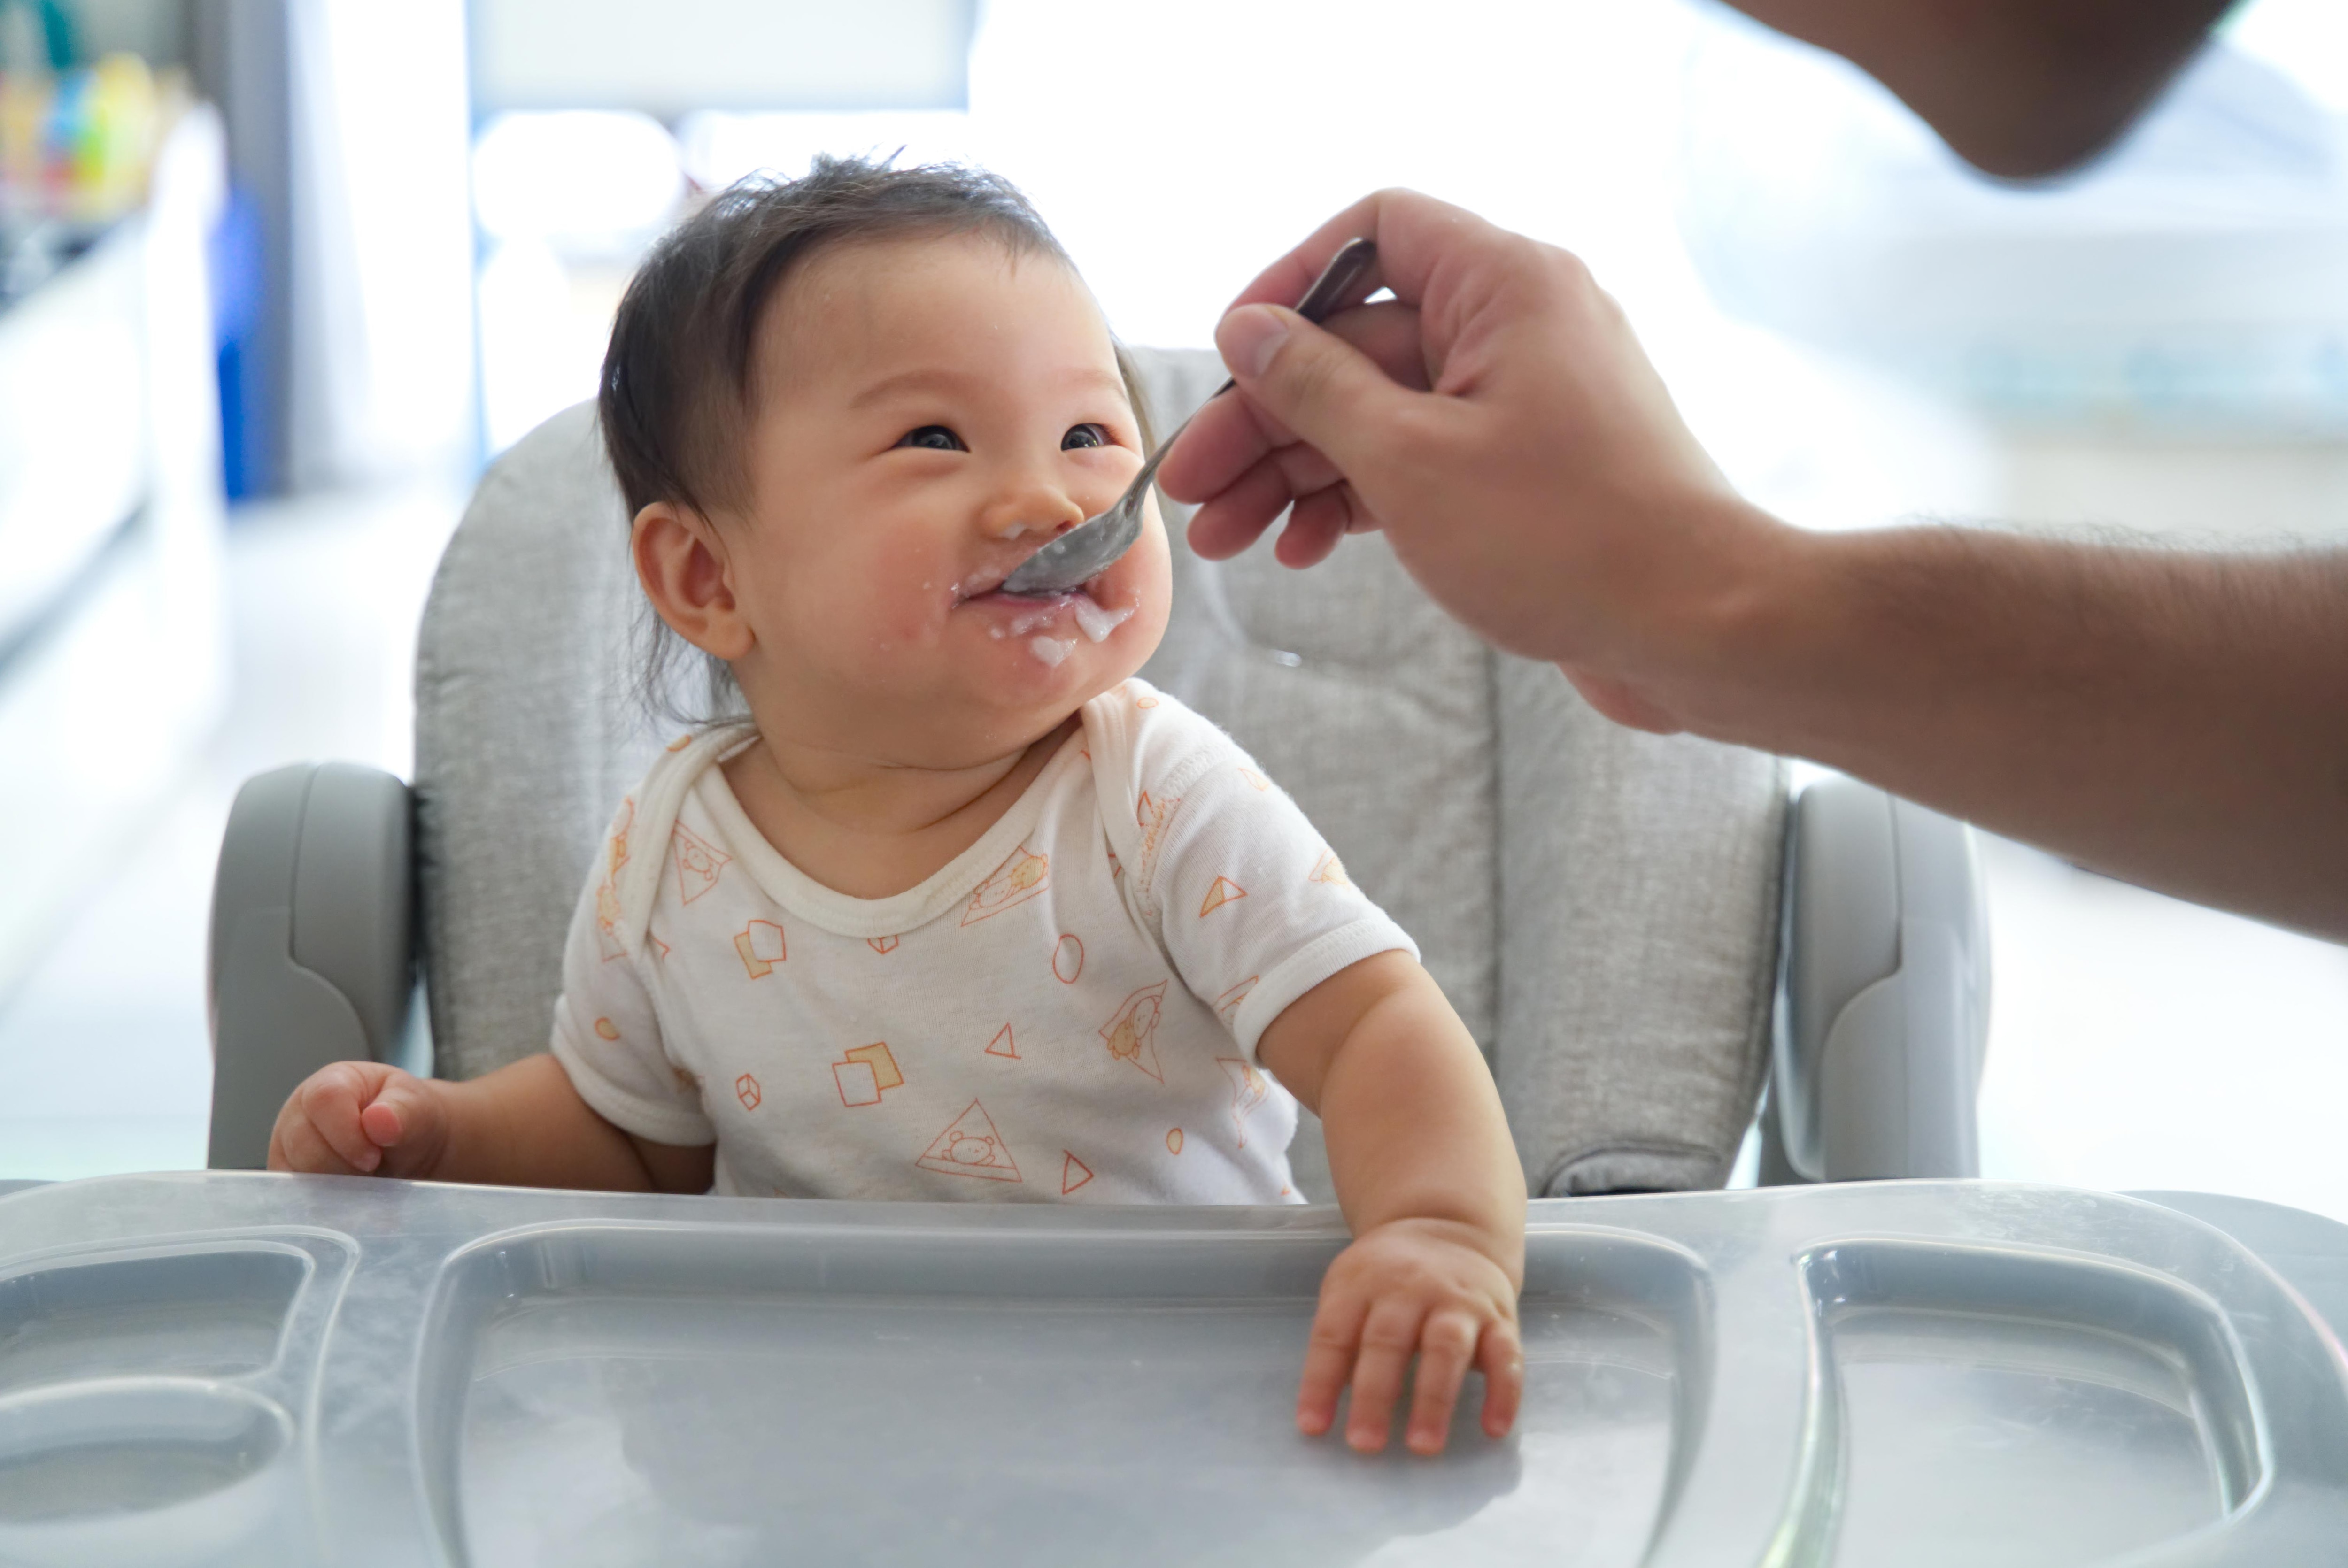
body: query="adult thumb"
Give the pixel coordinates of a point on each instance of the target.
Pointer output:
(1324, 389)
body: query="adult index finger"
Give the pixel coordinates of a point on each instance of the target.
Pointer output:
(1231, 435)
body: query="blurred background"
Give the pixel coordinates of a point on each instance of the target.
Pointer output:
(277, 277)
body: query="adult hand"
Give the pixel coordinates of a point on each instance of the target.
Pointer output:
(1499, 420)
(2173, 718)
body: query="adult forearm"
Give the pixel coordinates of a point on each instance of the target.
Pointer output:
(2177, 719)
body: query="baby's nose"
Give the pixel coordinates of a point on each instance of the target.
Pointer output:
(1049, 514)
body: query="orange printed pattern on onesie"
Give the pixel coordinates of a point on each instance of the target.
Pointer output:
(1250, 1089)
(679, 744)
(1016, 880)
(745, 1090)
(1221, 893)
(1067, 958)
(1132, 1033)
(607, 924)
(698, 862)
(1151, 817)
(1330, 869)
(881, 945)
(1229, 1002)
(1256, 781)
(1074, 1172)
(866, 1073)
(1003, 1044)
(617, 854)
(970, 1147)
(1174, 1140)
(607, 896)
(760, 946)
(606, 1029)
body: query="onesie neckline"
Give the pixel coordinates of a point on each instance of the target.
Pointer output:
(846, 915)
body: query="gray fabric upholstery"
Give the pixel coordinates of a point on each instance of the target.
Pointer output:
(1601, 906)
(527, 734)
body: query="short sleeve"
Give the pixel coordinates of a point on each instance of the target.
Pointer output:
(1250, 902)
(607, 1035)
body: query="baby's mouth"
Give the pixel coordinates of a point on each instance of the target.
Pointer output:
(1014, 616)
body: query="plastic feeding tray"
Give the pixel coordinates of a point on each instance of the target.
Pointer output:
(229, 1369)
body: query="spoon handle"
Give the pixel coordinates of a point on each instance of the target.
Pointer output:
(1092, 544)
(1323, 300)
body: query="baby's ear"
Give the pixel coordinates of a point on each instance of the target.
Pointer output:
(683, 566)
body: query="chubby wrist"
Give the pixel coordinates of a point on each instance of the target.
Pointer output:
(1502, 1244)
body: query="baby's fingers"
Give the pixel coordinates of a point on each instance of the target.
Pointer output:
(296, 1144)
(1447, 1344)
(1329, 1360)
(328, 1106)
(1389, 1335)
(1501, 1357)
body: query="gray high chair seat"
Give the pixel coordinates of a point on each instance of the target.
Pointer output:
(1636, 929)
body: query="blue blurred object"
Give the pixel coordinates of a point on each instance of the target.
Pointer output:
(57, 29)
(239, 274)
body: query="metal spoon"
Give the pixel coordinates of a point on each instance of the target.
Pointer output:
(1085, 551)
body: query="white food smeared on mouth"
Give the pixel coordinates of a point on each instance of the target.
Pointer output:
(1051, 649)
(1095, 621)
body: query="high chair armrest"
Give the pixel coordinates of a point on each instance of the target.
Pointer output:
(313, 954)
(1883, 1010)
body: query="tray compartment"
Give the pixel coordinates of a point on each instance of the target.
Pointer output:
(2001, 1404)
(210, 1311)
(148, 1473)
(1032, 1398)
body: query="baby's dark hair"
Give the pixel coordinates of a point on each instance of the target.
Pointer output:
(679, 390)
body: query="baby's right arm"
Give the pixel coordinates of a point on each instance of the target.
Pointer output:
(521, 1126)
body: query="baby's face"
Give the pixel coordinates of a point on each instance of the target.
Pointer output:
(931, 413)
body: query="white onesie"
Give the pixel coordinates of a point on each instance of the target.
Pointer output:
(1068, 1011)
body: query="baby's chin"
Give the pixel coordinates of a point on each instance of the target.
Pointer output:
(1032, 663)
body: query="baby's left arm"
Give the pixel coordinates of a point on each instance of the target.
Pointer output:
(1427, 1175)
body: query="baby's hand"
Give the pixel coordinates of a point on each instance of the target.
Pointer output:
(1412, 1285)
(358, 1119)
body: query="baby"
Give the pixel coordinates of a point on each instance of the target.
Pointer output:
(961, 909)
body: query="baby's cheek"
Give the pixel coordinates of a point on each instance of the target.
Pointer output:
(877, 619)
(1144, 579)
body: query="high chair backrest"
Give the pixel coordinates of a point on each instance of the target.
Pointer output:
(1601, 906)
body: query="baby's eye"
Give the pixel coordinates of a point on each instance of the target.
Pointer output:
(932, 438)
(1081, 436)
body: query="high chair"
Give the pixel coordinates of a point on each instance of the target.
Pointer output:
(1638, 929)
(207, 1369)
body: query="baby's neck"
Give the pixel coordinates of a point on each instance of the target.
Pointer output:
(873, 829)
